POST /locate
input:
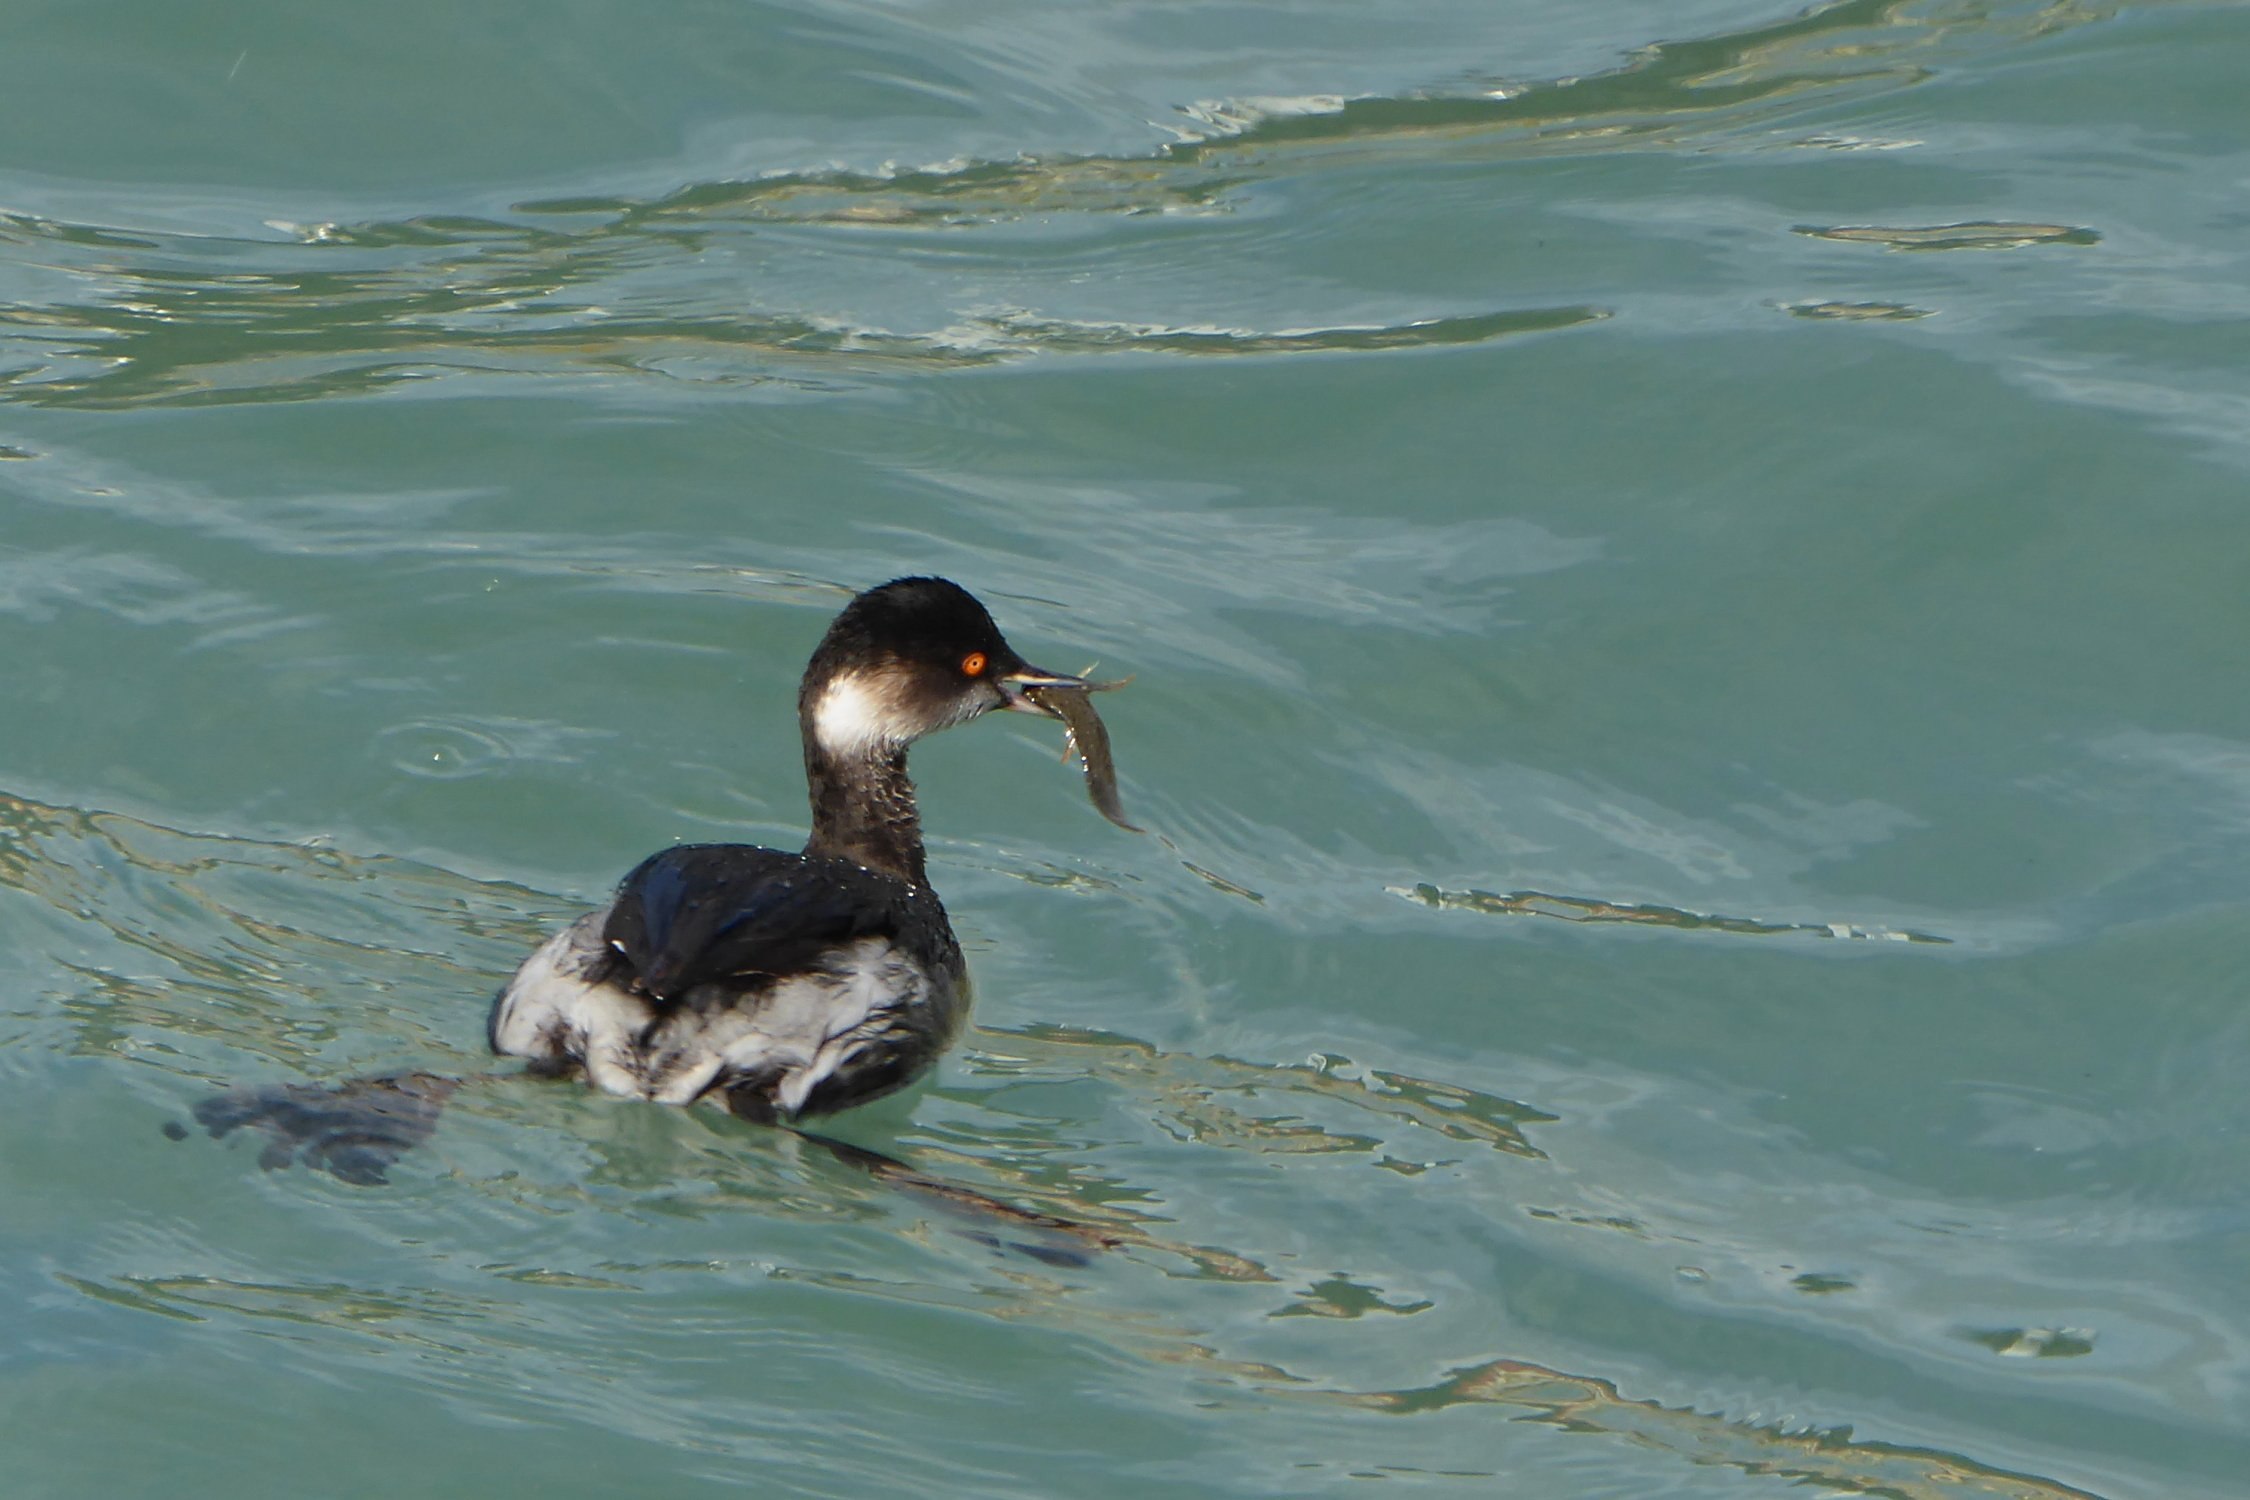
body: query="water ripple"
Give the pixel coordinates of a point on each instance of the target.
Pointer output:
(1981, 235)
(614, 287)
(196, 956)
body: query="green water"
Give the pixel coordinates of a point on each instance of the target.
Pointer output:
(1685, 568)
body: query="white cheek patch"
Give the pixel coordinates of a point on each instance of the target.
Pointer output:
(854, 715)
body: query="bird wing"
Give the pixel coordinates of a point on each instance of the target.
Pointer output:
(701, 912)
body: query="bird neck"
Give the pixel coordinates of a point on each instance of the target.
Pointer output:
(863, 808)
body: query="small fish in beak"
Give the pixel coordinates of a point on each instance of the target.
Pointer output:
(1069, 699)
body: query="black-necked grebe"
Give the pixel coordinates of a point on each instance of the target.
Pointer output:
(788, 984)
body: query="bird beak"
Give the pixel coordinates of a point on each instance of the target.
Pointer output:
(1012, 687)
(1013, 696)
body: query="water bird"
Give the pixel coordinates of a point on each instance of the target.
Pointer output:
(794, 983)
(780, 984)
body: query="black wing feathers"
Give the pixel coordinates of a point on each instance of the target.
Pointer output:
(711, 911)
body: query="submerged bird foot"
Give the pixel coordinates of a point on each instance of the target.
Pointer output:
(1060, 1242)
(354, 1131)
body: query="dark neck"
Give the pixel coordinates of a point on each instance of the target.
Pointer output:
(863, 809)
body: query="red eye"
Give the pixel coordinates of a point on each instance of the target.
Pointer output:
(973, 664)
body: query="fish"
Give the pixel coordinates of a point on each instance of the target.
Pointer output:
(1090, 740)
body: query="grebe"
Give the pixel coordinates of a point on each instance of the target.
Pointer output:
(790, 984)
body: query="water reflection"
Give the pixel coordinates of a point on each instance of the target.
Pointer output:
(1827, 1460)
(1220, 1101)
(251, 941)
(1983, 235)
(609, 286)
(1594, 909)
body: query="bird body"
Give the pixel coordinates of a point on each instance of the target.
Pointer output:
(788, 983)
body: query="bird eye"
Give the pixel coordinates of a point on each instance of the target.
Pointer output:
(973, 664)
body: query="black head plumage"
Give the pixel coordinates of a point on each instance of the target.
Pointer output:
(905, 659)
(932, 620)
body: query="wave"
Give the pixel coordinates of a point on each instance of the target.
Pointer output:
(693, 285)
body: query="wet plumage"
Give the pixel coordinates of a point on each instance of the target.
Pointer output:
(791, 983)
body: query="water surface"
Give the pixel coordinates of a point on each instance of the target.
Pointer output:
(1683, 571)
